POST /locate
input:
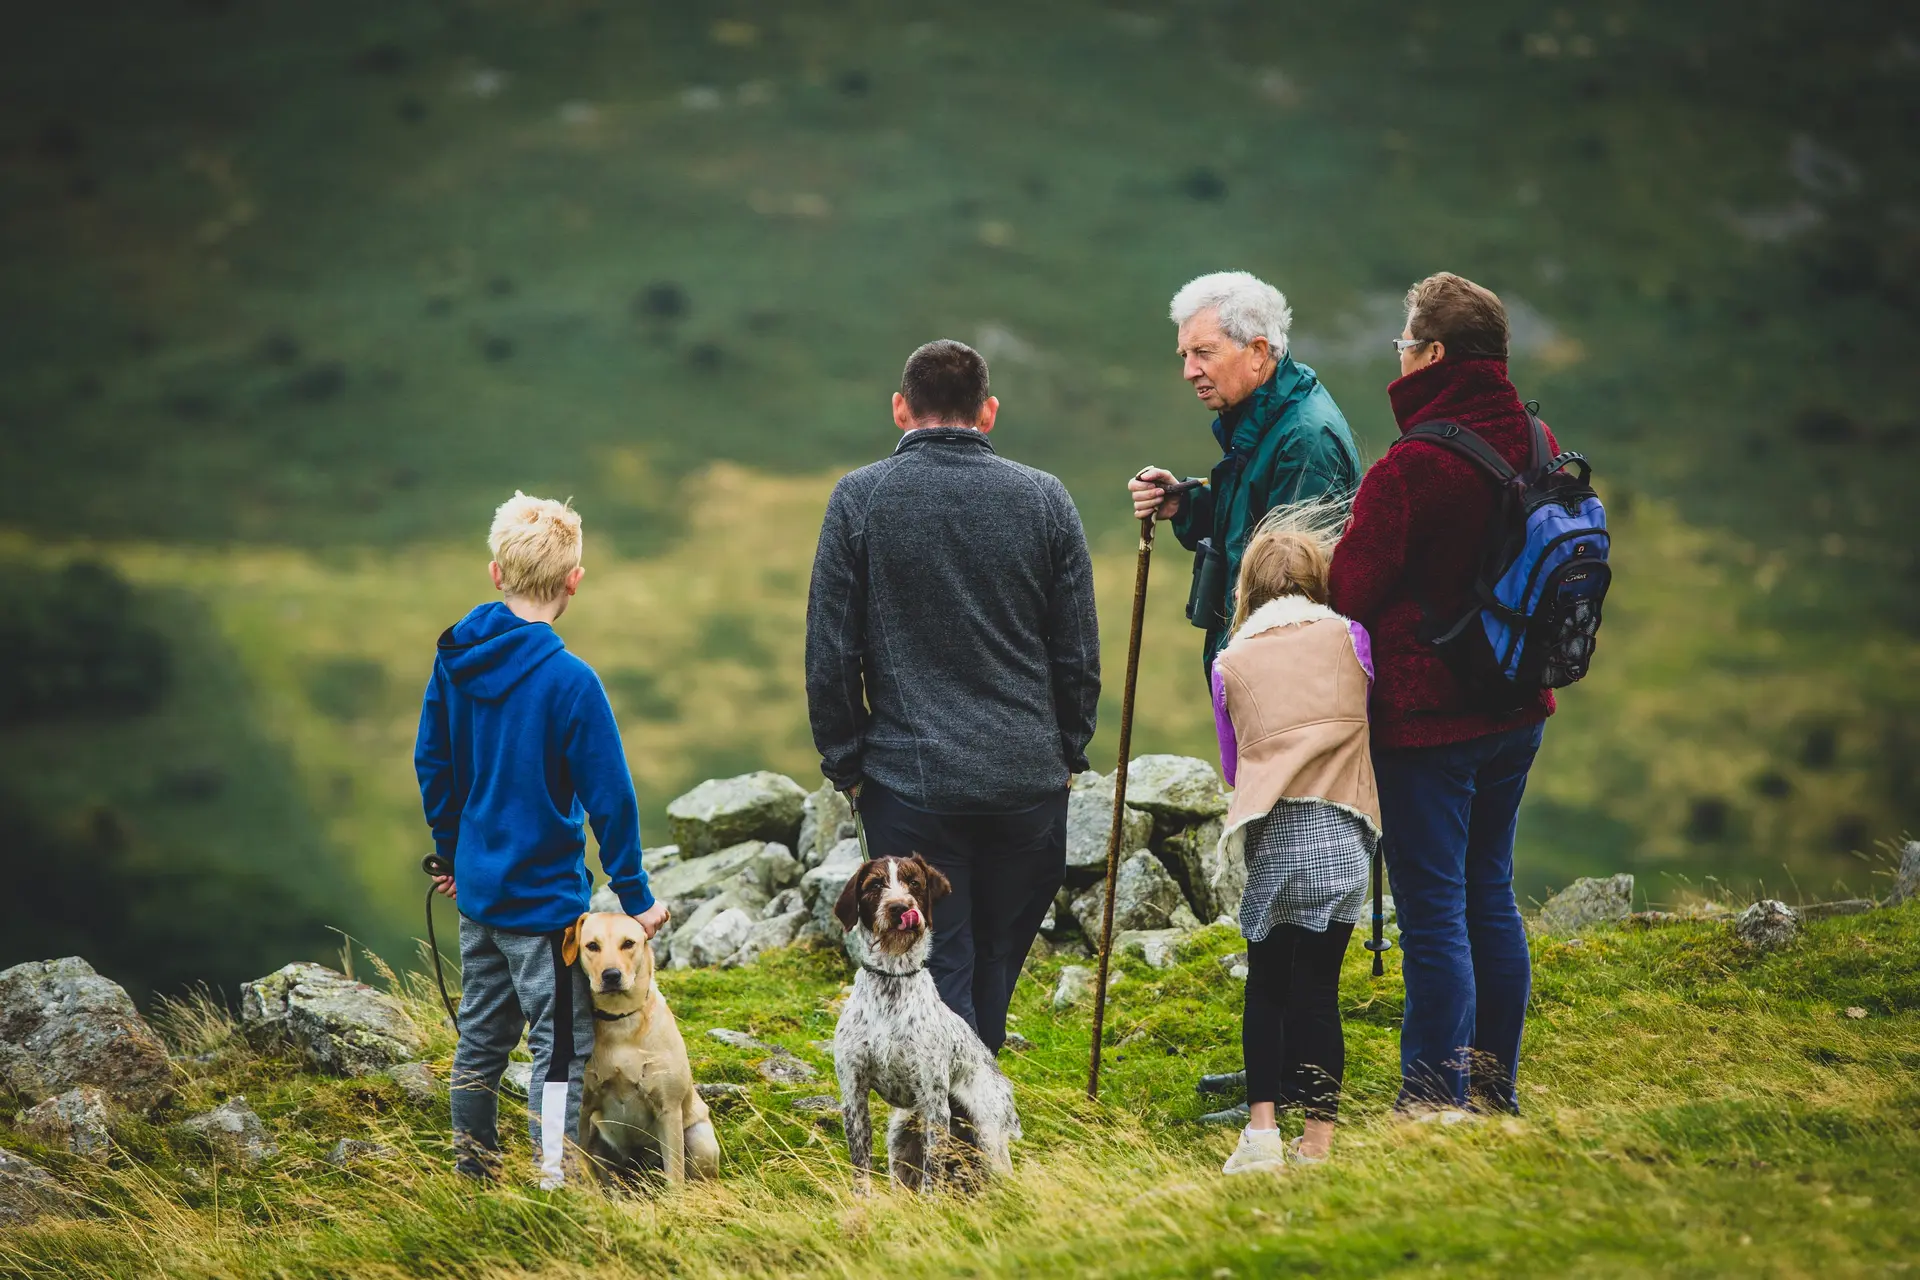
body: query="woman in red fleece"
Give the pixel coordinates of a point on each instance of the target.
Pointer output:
(1450, 774)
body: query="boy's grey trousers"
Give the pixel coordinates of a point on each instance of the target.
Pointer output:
(510, 982)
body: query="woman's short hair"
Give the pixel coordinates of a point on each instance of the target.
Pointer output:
(1454, 310)
(536, 542)
(1248, 307)
(945, 383)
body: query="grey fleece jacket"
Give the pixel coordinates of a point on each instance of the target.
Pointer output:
(953, 653)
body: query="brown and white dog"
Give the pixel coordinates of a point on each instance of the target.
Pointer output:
(639, 1109)
(895, 1038)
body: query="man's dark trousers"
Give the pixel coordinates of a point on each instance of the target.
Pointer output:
(1005, 869)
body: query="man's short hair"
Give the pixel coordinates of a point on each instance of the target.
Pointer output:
(945, 383)
(1454, 310)
(1248, 307)
(536, 542)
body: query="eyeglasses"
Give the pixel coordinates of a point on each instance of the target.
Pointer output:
(1404, 345)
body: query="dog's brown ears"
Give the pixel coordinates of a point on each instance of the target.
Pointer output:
(847, 909)
(938, 886)
(570, 941)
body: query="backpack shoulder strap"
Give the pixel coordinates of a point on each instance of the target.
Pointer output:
(1537, 433)
(1463, 442)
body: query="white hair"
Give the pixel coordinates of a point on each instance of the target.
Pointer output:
(1248, 307)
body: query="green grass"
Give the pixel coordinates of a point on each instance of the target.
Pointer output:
(1689, 1109)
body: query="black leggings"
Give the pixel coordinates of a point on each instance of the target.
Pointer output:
(1290, 1036)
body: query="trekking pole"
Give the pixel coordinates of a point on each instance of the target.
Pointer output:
(1378, 944)
(1141, 564)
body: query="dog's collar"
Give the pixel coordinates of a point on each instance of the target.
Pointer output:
(599, 1016)
(887, 973)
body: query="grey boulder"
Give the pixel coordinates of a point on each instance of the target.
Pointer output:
(1090, 826)
(517, 1079)
(715, 941)
(1075, 985)
(63, 1025)
(729, 811)
(1144, 897)
(76, 1122)
(28, 1192)
(769, 934)
(1180, 789)
(784, 1068)
(826, 818)
(1906, 880)
(337, 1025)
(234, 1131)
(1767, 925)
(1588, 900)
(417, 1081)
(1155, 946)
(1194, 859)
(820, 888)
(351, 1151)
(754, 870)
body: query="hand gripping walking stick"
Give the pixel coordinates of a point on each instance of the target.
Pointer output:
(1120, 775)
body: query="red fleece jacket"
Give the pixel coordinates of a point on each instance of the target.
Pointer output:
(1419, 525)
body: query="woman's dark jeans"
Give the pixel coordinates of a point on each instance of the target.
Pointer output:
(1449, 815)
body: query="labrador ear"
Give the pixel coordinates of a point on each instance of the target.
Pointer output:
(938, 886)
(847, 909)
(570, 941)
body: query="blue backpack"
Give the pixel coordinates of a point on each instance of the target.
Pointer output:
(1542, 579)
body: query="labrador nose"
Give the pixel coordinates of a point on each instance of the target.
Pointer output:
(609, 979)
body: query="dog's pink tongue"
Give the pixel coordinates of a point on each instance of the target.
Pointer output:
(910, 919)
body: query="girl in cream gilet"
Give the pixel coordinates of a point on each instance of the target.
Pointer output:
(1290, 703)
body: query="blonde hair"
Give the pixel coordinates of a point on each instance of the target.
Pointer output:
(536, 543)
(1288, 554)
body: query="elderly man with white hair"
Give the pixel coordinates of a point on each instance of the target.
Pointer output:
(1282, 437)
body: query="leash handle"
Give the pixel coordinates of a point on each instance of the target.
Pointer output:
(435, 865)
(859, 826)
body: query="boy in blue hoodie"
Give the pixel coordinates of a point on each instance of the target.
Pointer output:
(517, 752)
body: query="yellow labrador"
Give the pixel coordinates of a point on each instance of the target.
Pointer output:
(638, 1106)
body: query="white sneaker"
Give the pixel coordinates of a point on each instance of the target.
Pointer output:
(1295, 1154)
(1259, 1151)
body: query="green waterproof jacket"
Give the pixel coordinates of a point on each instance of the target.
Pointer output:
(1285, 443)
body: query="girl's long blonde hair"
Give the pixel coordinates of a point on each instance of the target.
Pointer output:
(1288, 554)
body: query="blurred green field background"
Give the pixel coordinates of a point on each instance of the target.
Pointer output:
(295, 294)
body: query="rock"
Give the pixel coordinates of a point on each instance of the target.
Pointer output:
(75, 1122)
(728, 811)
(1193, 858)
(768, 935)
(676, 951)
(825, 820)
(738, 1040)
(235, 1132)
(417, 1081)
(1155, 946)
(1586, 901)
(1828, 910)
(1018, 1043)
(1767, 925)
(352, 1151)
(1050, 922)
(754, 870)
(781, 903)
(1651, 919)
(715, 942)
(28, 1192)
(1075, 985)
(1144, 897)
(784, 1068)
(1238, 960)
(1090, 825)
(338, 1025)
(517, 1079)
(63, 1025)
(1177, 788)
(819, 1104)
(721, 1091)
(605, 901)
(820, 888)
(1906, 880)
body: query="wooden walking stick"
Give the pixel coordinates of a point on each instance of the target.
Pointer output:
(1120, 775)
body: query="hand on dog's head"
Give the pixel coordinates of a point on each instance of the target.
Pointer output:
(893, 899)
(612, 950)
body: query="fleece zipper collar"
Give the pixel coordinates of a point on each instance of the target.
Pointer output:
(931, 435)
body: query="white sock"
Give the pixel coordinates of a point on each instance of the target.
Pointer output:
(1251, 1129)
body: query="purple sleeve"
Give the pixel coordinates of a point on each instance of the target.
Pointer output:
(1223, 727)
(1362, 648)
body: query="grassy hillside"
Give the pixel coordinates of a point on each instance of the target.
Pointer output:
(1689, 1109)
(301, 293)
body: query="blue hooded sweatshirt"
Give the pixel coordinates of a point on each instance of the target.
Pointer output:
(517, 750)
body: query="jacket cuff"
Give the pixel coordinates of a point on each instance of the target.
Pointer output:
(636, 902)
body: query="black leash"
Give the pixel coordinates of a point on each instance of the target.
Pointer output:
(1378, 943)
(435, 865)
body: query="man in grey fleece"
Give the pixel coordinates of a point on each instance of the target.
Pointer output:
(953, 671)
